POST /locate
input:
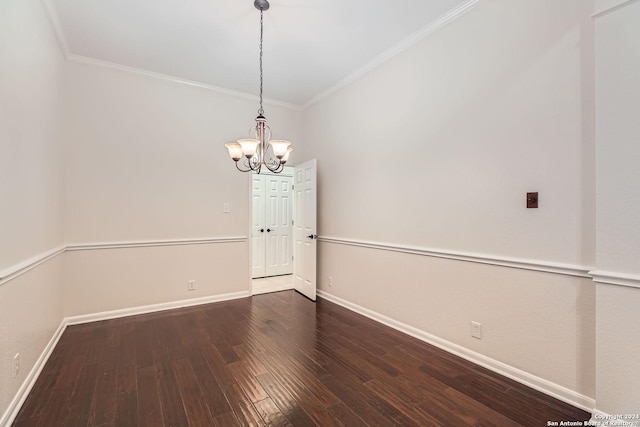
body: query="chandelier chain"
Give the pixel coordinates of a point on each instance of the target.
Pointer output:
(261, 110)
(255, 151)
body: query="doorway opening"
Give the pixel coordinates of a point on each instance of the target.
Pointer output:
(272, 231)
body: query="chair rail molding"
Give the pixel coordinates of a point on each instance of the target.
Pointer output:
(618, 279)
(19, 269)
(520, 263)
(151, 243)
(29, 264)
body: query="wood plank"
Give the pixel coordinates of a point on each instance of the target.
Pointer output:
(247, 382)
(193, 400)
(212, 392)
(149, 407)
(103, 408)
(126, 410)
(285, 401)
(271, 414)
(226, 420)
(171, 403)
(273, 359)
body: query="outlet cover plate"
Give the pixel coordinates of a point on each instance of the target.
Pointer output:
(476, 330)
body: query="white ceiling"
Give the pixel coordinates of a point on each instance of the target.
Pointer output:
(309, 45)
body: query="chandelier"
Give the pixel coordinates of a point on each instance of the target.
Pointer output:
(261, 150)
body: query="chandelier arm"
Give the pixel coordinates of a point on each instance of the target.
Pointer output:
(277, 169)
(262, 131)
(242, 170)
(255, 165)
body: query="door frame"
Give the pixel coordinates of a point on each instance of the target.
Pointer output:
(289, 170)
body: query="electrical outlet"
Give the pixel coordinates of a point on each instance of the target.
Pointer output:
(476, 330)
(16, 365)
(330, 281)
(191, 286)
(226, 207)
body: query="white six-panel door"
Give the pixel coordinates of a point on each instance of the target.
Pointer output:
(271, 229)
(304, 230)
(279, 244)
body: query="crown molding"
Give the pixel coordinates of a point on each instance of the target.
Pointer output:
(63, 44)
(614, 6)
(398, 48)
(56, 27)
(403, 45)
(80, 59)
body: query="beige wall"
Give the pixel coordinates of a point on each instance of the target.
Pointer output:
(145, 158)
(31, 188)
(618, 238)
(439, 146)
(102, 280)
(435, 149)
(92, 156)
(537, 322)
(145, 161)
(30, 151)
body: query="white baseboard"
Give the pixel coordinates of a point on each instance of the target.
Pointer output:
(554, 390)
(14, 407)
(133, 311)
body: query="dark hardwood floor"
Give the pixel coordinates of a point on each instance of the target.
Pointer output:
(274, 359)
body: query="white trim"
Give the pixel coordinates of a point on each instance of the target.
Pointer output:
(610, 278)
(134, 311)
(21, 268)
(613, 8)
(31, 263)
(400, 47)
(525, 264)
(14, 407)
(79, 59)
(537, 383)
(403, 45)
(54, 22)
(151, 243)
(56, 27)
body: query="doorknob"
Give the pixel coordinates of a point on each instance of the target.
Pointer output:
(262, 230)
(312, 236)
(268, 230)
